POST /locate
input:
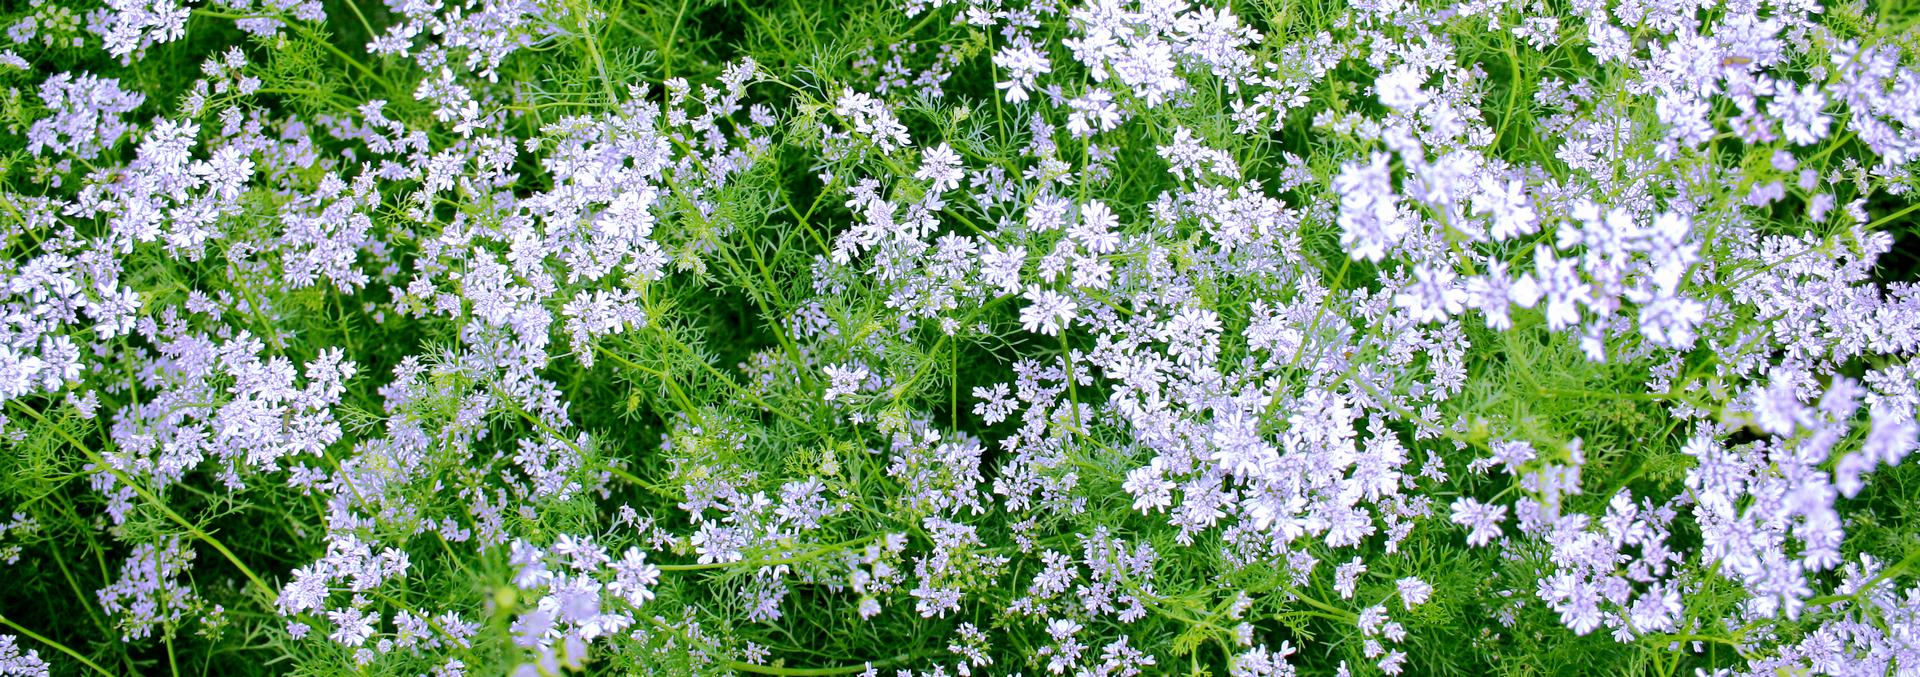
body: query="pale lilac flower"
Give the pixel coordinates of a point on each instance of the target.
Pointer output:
(1481, 520)
(1020, 64)
(1047, 311)
(1401, 88)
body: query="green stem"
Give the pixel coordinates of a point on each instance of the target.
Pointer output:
(1338, 613)
(1073, 393)
(795, 559)
(673, 34)
(1890, 217)
(61, 647)
(673, 388)
(192, 529)
(1884, 575)
(599, 62)
(736, 387)
(737, 666)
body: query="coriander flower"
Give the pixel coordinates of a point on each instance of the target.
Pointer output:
(1047, 311)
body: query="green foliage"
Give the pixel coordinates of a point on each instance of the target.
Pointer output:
(717, 387)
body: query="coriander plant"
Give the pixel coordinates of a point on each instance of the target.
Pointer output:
(959, 337)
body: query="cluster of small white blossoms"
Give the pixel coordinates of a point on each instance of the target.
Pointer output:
(1266, 362)
(216, 390)
(1291, 451)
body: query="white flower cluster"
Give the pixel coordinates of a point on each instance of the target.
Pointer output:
(1091, 338)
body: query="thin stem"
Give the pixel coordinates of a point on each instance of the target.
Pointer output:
(737, 388)
(673, 387)
(1338, 613)
(794, 559)
(738, 666)
(56, 645)
(599, 62)
(142, 491)
(1884, 575)
(673, 34)
(770, 670)
(1890, 217)
(1073, 393)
